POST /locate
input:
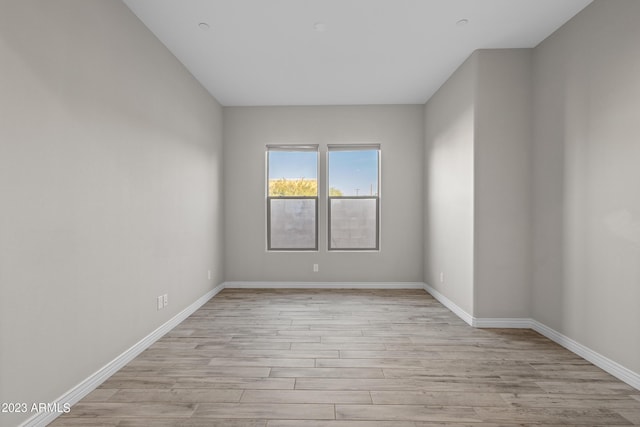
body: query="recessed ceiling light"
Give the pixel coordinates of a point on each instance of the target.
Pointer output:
(462, 22)
(203, 26)
(319, 27)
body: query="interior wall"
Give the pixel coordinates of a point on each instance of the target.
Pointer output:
(111, 184)
(586, 275)
(449, 127)
(502, 184)
(398, 129)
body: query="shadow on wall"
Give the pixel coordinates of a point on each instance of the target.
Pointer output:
(449, 192)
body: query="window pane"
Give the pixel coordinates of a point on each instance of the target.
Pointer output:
(353, 173)
(293, 173)
(293, 223)
(353, 223)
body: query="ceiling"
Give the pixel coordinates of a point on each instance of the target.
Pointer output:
(340, 52)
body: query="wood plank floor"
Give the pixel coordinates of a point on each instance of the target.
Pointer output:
(351, 358)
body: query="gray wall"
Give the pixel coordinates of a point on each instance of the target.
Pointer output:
(449, 194)
(110, 184)
(544, 143)
(586, 276)
(397, 128)
(502, 186)
(477, 185)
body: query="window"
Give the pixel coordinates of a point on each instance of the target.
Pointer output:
(292, 197)
(354, 197)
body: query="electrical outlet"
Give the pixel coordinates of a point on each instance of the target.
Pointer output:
(160, 302)
(315, 268)
(441, 277)
(209, 274)
(165, 299)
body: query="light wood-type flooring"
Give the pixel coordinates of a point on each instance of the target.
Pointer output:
(351, 358)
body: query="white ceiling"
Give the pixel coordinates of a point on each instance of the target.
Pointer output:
(267, 52)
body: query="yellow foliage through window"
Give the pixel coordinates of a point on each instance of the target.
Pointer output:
(293, 187)
(301, 187)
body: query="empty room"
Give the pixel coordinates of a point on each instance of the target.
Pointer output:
(322, 213)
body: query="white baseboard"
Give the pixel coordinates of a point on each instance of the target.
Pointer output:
(325, 285)
(450, 305)
(604, 363)
(93, 381)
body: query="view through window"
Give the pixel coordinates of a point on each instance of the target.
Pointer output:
(292, 197)
(354, 199)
